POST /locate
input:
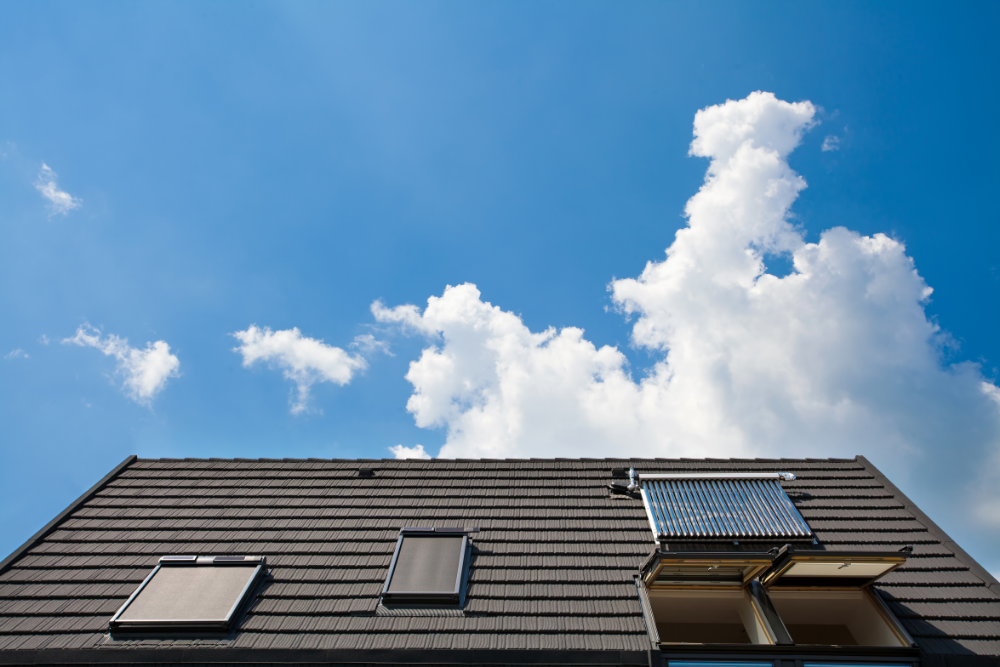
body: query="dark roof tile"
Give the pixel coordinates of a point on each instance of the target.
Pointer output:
(952, 628)
(960, 646)
(937, 593)
(980, 611)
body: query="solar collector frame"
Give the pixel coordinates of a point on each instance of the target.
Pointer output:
(723, 507)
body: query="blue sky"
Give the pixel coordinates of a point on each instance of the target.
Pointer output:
(287, 165)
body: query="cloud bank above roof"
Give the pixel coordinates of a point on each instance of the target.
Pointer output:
(836, 358)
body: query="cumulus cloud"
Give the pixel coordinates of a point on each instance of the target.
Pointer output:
(401, 452)
(305, 361)
(830, 143)
(60, 201)
(834, 359)
(16, 354)
(145, 371)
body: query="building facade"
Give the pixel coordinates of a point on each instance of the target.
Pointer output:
(776, 563)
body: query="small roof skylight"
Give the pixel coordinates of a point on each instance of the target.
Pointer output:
(723, 506)
(191, 593)
(430, 566)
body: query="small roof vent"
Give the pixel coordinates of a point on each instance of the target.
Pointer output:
(366, 472)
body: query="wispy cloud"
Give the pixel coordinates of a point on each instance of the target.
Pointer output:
(831, 143)
(401, 452)
(17, 354)
(60, 201)
(43, 339)
(145, 371)
(368, 344)
(305, 361)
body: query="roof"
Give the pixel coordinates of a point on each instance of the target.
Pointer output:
(553, 568)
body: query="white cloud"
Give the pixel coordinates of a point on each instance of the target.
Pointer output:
(17, 354)
(304, 361)
(145, 371)
(59, 200)
(830, 143)
(401, 452)
(43, 339)
(835, 359)
(367, 344)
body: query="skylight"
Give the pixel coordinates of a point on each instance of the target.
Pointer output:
(430, 566)
(191, 593)
(721, 507)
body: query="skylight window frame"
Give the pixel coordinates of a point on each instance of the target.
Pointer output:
(259, 563)
(455, 598)
(754, 563)
(788, 558)
(784, 562)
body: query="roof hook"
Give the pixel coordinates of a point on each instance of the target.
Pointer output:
(633, 480)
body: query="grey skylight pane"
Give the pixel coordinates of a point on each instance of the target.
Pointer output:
(189, 593)
(427, 565)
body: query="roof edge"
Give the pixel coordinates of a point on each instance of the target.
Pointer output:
(961, 554)
(50, 526)
(138, 656)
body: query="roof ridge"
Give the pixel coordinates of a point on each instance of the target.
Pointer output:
(495, 460)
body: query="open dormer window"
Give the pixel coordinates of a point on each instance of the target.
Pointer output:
(700, 591)
(191, 593)
(825, 597)
(430, 567)
(725, 570)
(702, 597)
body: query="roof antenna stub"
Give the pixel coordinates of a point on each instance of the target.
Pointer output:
(633, 480)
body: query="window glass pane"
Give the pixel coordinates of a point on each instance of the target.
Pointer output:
(427, 565)
(701, 574)
(857, 664)
(838, 569)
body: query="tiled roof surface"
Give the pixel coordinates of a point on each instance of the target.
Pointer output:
(553, 570)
